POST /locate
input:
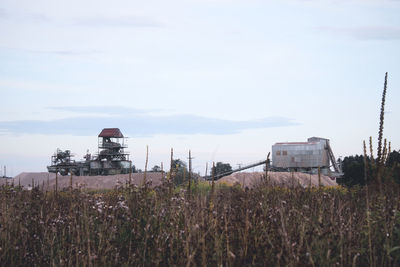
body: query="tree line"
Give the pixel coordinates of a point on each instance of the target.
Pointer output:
(357, 173)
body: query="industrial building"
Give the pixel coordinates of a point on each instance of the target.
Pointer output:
(312, 156)
(111, 158)
(308, 156)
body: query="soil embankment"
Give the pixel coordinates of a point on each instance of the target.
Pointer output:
(249, 179)
(47, 180)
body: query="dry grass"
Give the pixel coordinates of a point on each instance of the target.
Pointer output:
(143, 226)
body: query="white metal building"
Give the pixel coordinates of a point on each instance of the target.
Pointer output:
(305, 155)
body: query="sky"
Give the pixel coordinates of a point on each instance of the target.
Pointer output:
(224, 79)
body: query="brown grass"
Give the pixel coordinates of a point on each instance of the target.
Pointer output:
(142, 226)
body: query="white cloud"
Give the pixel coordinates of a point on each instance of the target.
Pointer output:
(30, 17)
(123, 21)
(3, 13)
(37, 86)
(367, 32)
(138, 123)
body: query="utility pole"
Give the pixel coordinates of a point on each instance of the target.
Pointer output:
(190, 171)
(70, 182)
(171, 165)
(130, 173)
(162, 171)
(56, 182)
(145, 167)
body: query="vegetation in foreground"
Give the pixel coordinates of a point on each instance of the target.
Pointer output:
(208, 227)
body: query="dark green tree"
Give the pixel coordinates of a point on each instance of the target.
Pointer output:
(134, 169)
(353, 169)
(393, 158)
(393, 166)
(179, 171)
(156, 168)
(221, 167)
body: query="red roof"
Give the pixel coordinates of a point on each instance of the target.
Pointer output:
(111, 132)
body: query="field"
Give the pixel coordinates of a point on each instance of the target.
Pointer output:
(206, 226)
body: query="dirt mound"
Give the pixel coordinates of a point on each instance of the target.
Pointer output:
(48, 181)
(250, 179)
(25, 178)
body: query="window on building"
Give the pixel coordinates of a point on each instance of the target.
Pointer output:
(278, 153)
(284, 153)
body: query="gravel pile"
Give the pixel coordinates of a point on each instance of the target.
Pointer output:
(48, 181)
(246, 179)
(249, 179)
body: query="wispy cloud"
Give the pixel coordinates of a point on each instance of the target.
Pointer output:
(36, 17)
(13, 86)
(105, 110)
(3, 13)
(367, 32)
(59, 52)
(139, 123)
(123, 21)
(95, 21)
(70, 52)
(26, 17)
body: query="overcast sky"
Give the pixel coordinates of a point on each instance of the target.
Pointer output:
(226, 79)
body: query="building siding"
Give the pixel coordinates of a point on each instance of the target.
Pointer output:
(311, 154)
